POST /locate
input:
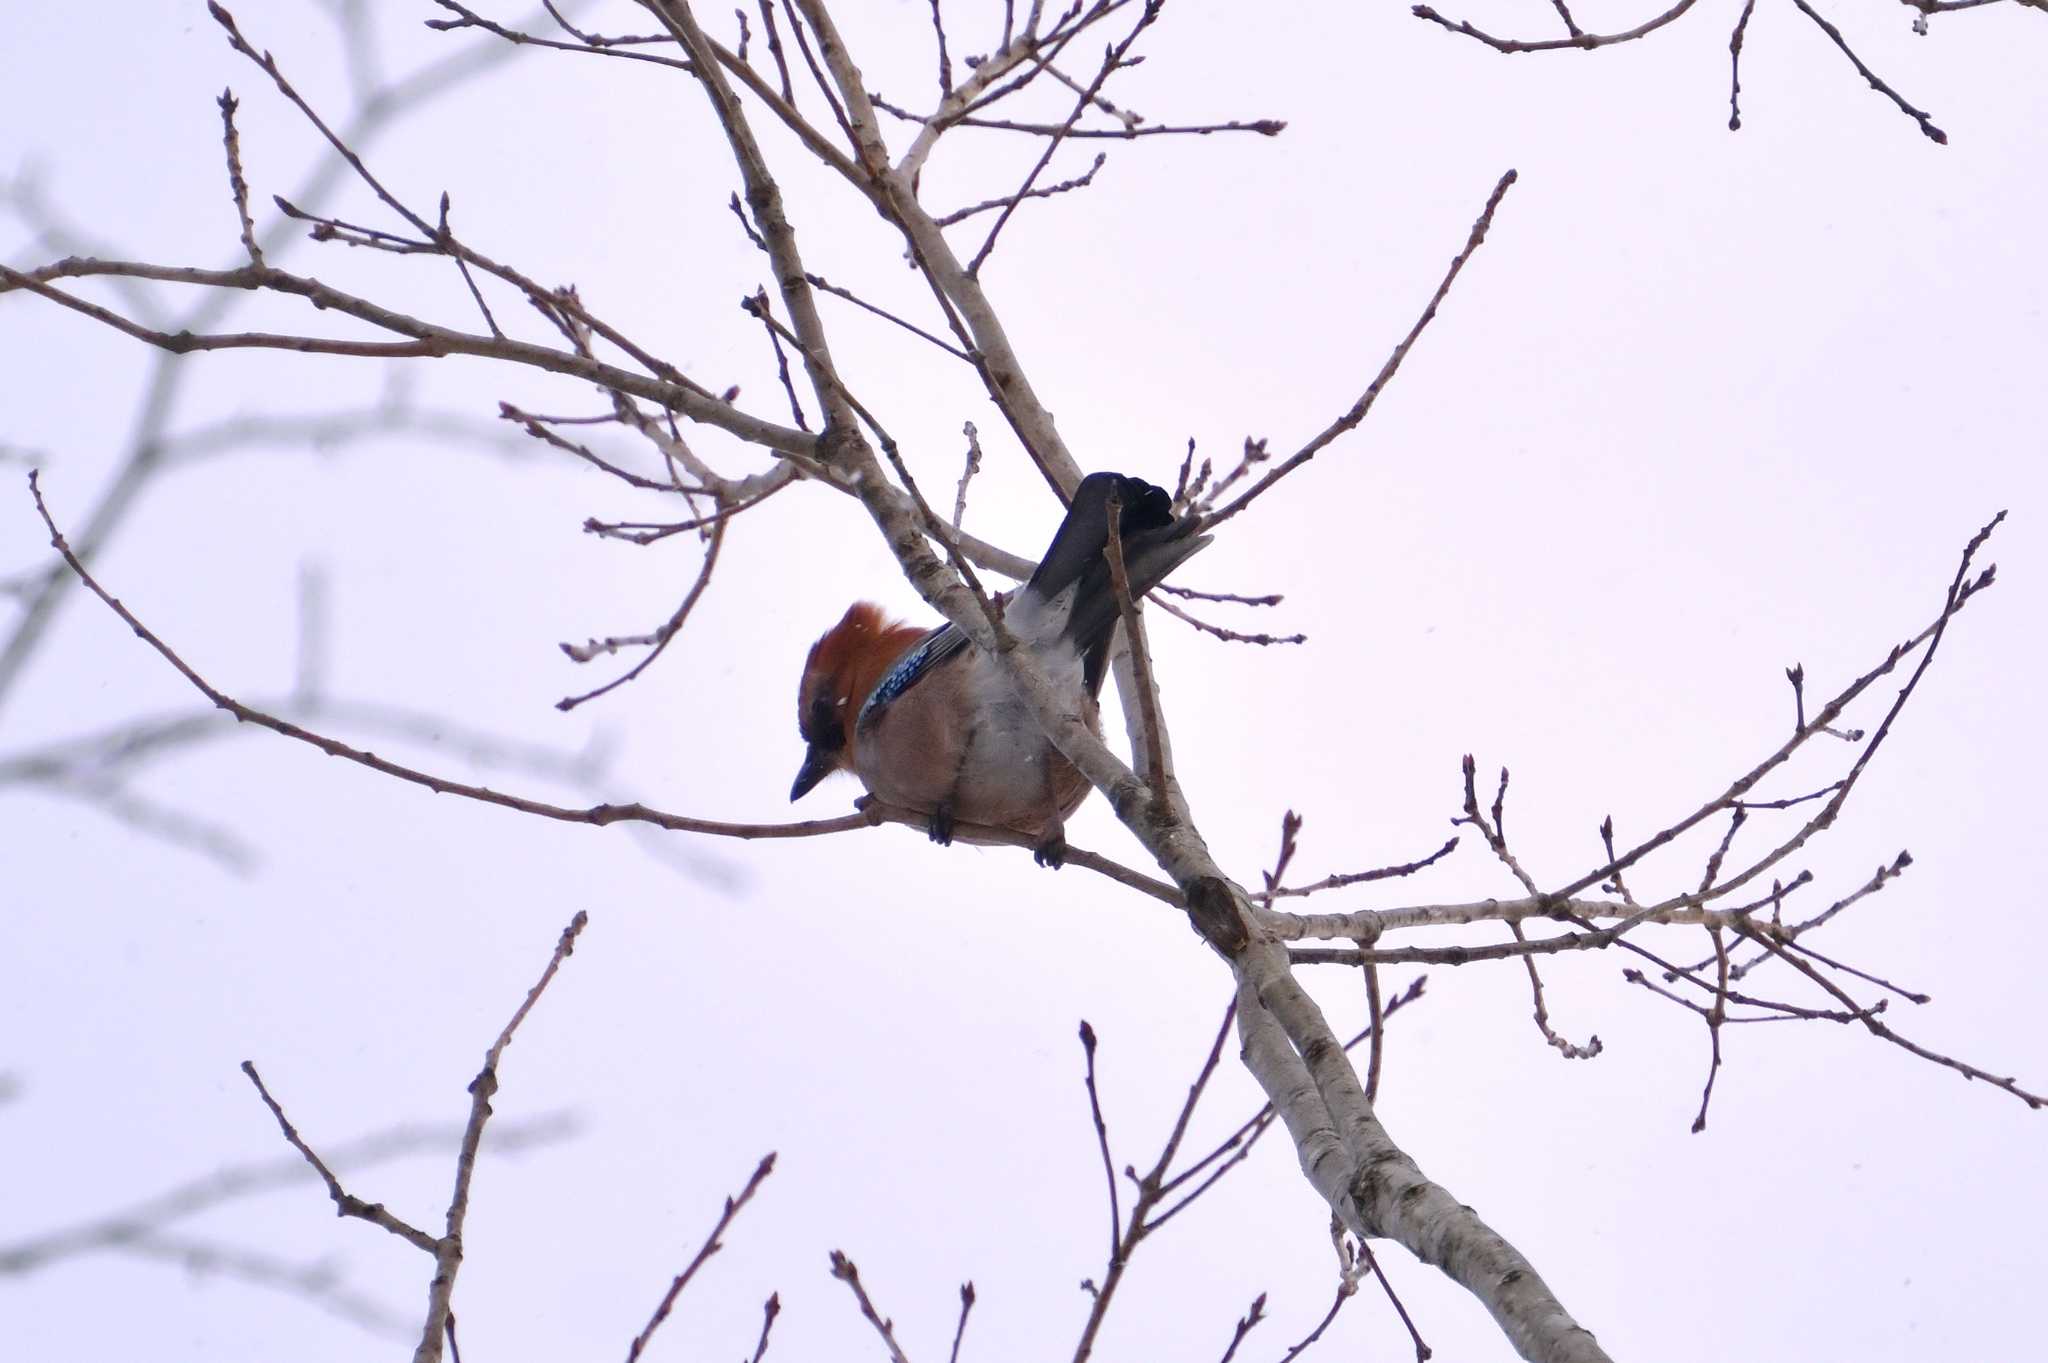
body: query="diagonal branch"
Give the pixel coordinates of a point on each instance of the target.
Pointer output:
(1357, 413)
(712, 1244)
(448, 1249)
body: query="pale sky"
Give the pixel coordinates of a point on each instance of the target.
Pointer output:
(1705, 405)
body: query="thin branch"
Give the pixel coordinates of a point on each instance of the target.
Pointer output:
(710, 1247)
(1366, 399)
(589, 44)
(1867, 1016)
(231, 143)
(1222, 598)
(1909, 995)
(551, 302)
(1264, 127)
(1377, 1016)
(1835, 35)
(819, 282)
(446, 238)
(1346, 1290)
(771, 1308)
(1112, 61)
(1230, 636)
(1581, 40)
(761, 310)
(1338, 882)
(1116, 1217)
(1245, 1324)
(1885, 874)
(945, 61)
(973, 466)
(1081, 181)
(803, 45)
(377, 110)
(424, 338)
(599, 815)
(847, 1272)
(1735, 71)
(1715, 1016)
(448, 1249)
(660, 639)
(775, 50)
(345, 1203)
(960, 1330)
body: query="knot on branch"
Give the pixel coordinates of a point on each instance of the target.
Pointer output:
(835, 443)
(1213, 911)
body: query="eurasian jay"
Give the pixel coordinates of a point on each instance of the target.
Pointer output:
(926, 720)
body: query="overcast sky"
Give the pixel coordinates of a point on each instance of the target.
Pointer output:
(1704, 406)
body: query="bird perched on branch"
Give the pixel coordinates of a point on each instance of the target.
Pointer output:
(925, 718)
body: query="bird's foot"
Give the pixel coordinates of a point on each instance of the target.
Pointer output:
(941, 825)
(1052, 852)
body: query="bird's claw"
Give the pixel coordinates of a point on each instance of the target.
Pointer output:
(1052, 852)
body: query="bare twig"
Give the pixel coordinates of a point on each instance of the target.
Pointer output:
(446, 239)
(591, 44)
(1264, 127)
(973, 466)
(819, 282)
(771, 1308)
(231, 143)
(774, 32)
(422, 338)
(599, 815)
(945, 61)
(1581, 40)
(1337, 882)
(762, 310)
(1116, 1218)
(1919, 116)
(448, 1249)
(1112, 61)
(1735, 69)
(1081, 181)
(847, 1272)
(1230, 636)
(1346, 1290)
(1377, 1016)
(1715, 1016)
(960, 1330)
(379, 106)
(1868, 1018)
(345, 1203)
(1371, 394)
(1223, 598)
(710, 1247)
(1245, 1323)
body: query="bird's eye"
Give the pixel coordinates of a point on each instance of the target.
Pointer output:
(822, 727)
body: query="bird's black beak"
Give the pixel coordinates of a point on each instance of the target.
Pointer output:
(819, 763)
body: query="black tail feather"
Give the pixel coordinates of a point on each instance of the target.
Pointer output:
(1154, 544)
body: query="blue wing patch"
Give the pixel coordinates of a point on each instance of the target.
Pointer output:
(927, 653)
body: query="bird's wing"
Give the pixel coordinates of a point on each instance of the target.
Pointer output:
(926, 654)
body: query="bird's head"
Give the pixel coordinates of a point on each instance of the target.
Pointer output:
(843, 667)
